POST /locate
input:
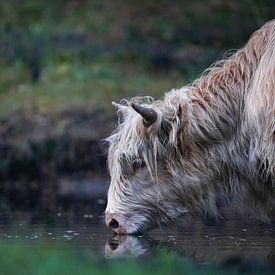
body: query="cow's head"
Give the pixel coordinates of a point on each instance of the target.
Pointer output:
(141, 159)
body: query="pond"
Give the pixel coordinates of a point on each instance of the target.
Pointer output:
(204, 244)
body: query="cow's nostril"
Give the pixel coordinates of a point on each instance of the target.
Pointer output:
(114, 224)
(113, 245)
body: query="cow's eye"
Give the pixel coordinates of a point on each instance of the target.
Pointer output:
(138, 164)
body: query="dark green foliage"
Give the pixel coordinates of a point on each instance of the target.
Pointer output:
(161, 35)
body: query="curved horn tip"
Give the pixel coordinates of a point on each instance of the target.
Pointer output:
(149, 114)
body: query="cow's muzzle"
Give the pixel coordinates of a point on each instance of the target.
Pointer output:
(115, 223)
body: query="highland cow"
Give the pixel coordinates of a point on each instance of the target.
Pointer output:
(207, 144)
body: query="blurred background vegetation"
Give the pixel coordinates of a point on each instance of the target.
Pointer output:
(61, 54)
(63, 62)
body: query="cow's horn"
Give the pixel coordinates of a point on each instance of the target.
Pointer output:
(149, 115)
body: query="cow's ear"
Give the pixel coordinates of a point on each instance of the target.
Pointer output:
(149, 115)
(183, 133)
(180, 110)
(182, 114)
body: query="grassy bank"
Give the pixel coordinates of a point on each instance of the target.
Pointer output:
(69, 84)
(16, 258)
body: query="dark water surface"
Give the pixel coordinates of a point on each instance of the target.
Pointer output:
(195, 240)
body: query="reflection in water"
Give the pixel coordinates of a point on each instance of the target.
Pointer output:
(204, 244)
(195, 240)
(123, 245)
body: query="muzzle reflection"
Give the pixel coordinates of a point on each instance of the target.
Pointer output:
(128, 245)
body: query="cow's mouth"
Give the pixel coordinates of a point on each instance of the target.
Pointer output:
(127, 225)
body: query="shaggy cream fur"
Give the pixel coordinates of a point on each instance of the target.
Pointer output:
(213, 143)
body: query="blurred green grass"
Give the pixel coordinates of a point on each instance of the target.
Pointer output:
(49, 258)
(70, 84)
(89, 53)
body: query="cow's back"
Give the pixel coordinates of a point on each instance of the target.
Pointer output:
(260, 103)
